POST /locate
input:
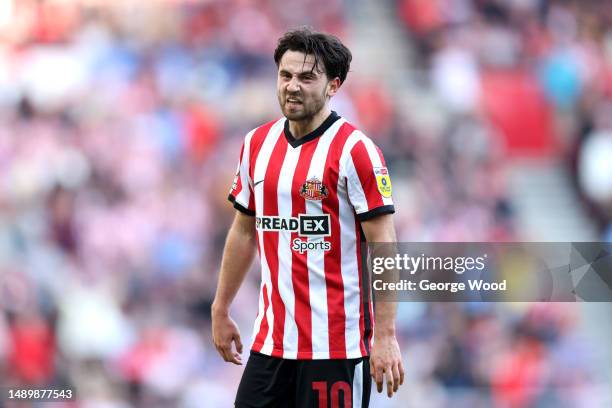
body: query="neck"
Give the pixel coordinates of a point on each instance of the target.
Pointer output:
(301, 128)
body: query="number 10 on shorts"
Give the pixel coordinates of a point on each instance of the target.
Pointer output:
(338, 387)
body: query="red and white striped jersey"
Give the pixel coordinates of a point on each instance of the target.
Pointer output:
(309, 196)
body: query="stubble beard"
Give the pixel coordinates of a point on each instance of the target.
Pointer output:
(308, 111)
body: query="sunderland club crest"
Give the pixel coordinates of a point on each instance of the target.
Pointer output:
(313, 189)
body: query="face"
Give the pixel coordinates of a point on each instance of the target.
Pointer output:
(302, 91)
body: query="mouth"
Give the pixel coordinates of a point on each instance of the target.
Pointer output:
(293, 101)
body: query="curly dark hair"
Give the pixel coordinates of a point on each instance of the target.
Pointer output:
(326, 48)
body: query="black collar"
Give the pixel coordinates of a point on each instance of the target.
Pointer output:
(333, 116)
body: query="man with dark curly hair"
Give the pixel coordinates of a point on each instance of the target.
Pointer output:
(308, 190)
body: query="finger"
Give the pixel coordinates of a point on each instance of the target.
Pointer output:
(238, 343)
(225, 352)
(379, 378)
(219, 349)
(401, 371)
(389, 378)
(396, 377)
(236, 359)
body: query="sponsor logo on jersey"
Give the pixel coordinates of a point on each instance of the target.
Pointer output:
(305, 225)
(303, 246)
(383, 182)
(313, 189)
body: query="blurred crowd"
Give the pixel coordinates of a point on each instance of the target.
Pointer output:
(540, 71)
(511, 78)
(120, 127)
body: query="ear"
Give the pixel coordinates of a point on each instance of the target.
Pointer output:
(333, 86)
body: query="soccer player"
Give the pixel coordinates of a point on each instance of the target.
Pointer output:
(309, 188)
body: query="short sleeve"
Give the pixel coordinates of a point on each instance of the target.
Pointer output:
(368, 181)
(241, 193)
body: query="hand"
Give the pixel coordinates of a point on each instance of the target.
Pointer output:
(386, 362)
(224, 332)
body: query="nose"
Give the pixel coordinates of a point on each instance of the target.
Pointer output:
(293, 85)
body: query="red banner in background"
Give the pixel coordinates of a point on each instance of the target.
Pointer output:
(514, 103)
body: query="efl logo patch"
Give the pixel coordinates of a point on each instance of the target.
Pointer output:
(314, 190)
(383, 182)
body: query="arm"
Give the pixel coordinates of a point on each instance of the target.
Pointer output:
(237, 257)
(385, 357)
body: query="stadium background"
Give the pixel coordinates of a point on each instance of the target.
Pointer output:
(120, 127)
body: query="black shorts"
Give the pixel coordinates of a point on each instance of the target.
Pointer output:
(278, 383)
